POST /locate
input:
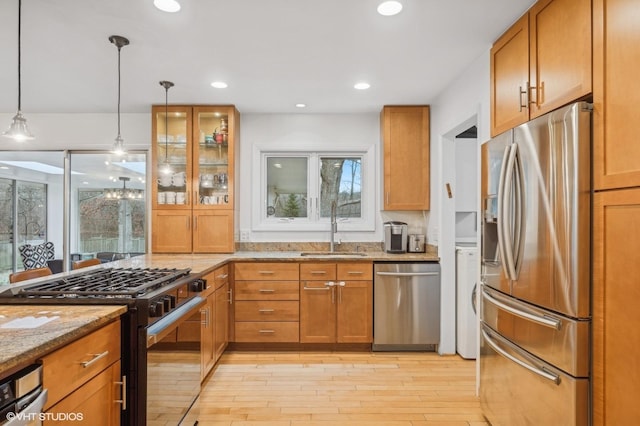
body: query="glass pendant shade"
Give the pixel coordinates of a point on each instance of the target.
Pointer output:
(18, 130)
(118, 146)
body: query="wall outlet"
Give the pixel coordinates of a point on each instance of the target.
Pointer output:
(244, 236)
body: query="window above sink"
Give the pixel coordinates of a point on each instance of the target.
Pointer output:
(294, 189)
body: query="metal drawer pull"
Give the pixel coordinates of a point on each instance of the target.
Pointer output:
(123, 401)
(327, 288)
(539, 319)
(546, 374)
(266, 272)
(267, 331)
(96, 357)
(266, 290)
(223, 276)
(318, 272)
(265, 310)
(355, 273)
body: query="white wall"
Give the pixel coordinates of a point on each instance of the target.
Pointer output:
(466, 99)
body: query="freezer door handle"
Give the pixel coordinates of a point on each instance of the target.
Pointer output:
(542, 320)
(540, 372)
(520, 213)
(408, 274)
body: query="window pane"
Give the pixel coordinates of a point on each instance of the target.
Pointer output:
(341, 181)
(32, 213)
(287, 188)
(6, 229)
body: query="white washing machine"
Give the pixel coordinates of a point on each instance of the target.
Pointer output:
(466, 317)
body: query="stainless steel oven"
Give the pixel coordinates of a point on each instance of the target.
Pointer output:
(158, 301)
(173, 365)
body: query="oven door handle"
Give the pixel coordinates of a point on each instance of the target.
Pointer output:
(161, 328)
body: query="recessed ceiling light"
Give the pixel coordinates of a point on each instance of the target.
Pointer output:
(170, 6)
(85, 183)
(301, 105)
(389, 8)
(219, 84)
(277, 165)
(361, 86)
(4, 168)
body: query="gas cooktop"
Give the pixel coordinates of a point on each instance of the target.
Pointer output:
(129, 283)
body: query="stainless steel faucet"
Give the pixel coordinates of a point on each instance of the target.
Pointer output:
(334, 226)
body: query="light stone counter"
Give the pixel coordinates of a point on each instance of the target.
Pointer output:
(23, 346)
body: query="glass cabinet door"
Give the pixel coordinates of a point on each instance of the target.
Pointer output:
(172, 157)
(213, 154)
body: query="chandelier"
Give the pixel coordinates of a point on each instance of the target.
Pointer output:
(124, 192)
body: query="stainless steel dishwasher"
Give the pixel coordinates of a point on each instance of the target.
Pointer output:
(406, 306)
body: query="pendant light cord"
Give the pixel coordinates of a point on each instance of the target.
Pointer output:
(119, 47)
(19, 56)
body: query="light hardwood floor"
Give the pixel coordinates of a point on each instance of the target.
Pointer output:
(304, 388)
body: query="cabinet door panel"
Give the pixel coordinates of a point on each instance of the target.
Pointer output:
(510, 78)
(171, 231)
(213, 231)
(221, 320)
(615, 63)
(355, 312)
(616, 292)
(560, 53)
(317, 313)
(405, 134)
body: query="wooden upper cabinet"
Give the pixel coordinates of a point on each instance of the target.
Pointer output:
(198, 145)
(616, 60)
(560, 53)
(405, 138)
(541, 63)
(510, 78)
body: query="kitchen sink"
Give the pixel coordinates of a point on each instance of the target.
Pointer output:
(333, 253)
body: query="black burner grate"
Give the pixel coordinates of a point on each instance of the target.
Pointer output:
(106, 283)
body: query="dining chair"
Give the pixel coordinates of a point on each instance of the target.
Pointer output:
(84, 263)
(28, 274)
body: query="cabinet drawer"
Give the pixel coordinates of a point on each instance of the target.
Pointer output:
(70, 367)
(267, 290)
(267, 311)
(355, 271)
(221, 276)
(267, 332)
(267, 271)
(318, 271)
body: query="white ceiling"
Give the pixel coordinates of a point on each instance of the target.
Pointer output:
(272, 53)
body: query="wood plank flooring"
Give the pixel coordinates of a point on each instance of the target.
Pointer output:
(339, 388)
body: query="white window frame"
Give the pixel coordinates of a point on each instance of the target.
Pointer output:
(313, 222)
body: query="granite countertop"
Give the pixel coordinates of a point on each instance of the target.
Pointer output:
(204, 263)
(24, 344)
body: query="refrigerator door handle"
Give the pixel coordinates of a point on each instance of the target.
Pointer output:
(501, 207)
(520, 215)
(507, 215)
(540, 372)
(538, 319)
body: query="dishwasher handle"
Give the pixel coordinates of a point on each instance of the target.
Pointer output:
(408, 274)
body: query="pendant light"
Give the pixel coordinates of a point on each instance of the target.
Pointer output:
(119, 41)
(18, 130)
(166, 167)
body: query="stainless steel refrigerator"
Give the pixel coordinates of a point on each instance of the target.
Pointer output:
(535, 317)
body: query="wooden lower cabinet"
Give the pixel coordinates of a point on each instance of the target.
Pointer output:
(84, 378)
(207, 336)
(616, 291)
(340, 310)
(266, 305)
(171, 231)
(221, 323)
(95, 401)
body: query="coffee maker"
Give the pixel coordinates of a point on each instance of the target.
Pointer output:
(395, 237)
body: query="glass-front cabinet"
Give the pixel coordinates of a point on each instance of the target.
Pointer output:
(193, 158)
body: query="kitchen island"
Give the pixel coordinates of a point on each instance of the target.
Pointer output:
(29, 332)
